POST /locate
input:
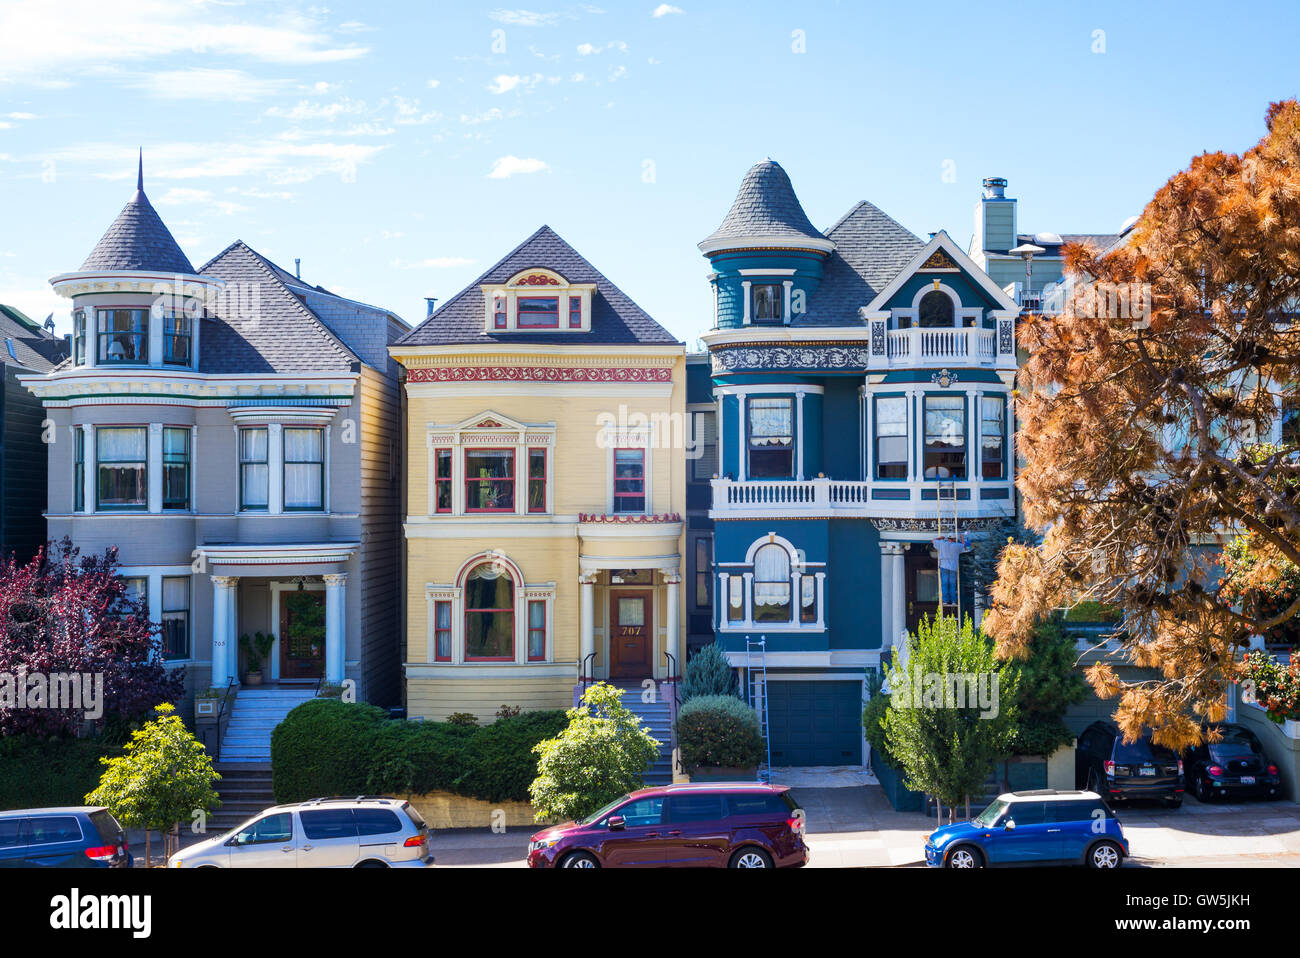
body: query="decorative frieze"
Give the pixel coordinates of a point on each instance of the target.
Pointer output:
(541, 374)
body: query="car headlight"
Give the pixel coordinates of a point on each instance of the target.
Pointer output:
(174, 863)
(544, 843)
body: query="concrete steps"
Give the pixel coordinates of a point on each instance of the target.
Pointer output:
(245, 790)
(255, 714)
(657, 716)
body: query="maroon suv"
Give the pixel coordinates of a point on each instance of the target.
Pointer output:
(681, 826)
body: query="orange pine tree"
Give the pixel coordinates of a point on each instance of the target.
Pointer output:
(1143, 405)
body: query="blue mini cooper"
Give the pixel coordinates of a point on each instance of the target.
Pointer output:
(1042, 827)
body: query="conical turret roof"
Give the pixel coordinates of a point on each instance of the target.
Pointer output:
(766, 206)
(138, 240)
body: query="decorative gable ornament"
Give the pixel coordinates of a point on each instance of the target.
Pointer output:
(537, 279)
(944, 378)
(939, 260)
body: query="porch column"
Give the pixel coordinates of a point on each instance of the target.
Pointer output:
(224, 624)
(672, 595)
(336, 626)
(899, 585)
(887, 550)
(587, 621)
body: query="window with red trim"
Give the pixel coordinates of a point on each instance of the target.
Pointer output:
(537, 312)
(489, 480)
(499, 312)
(536, 480)
(629, 480)
(489, 614)
(442, 480)
(442, 631)
(536, 631)
(575, 312)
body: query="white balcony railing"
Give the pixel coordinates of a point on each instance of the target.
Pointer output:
(938, 347)
(764, 498)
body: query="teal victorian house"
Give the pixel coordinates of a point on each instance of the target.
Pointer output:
(861, 377)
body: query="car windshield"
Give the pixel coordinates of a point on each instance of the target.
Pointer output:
(986, 818)
(1143, 750)
(598, 815)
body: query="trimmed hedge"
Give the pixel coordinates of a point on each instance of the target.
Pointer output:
(719, 731)
(49, 772)
(327, 747)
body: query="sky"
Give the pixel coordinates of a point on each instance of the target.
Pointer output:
(400, 149)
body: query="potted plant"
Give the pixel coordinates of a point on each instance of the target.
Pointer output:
(719, 739)
(256, 648)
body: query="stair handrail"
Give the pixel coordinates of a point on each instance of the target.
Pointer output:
(586, 678)
(225, 700)
(675, 677)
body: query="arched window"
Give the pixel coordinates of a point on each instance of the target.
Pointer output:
(771, 584)
(935, 309)
(489, 613)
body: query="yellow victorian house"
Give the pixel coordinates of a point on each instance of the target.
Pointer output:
(546, 428)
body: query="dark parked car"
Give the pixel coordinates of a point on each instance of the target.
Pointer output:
(1234, 766)
(74, 837)
(681, 826)
(1041, 827)
(1119, 771)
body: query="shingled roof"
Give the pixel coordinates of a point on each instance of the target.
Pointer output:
(615, 319)
(260, 326)
(23, 342)
(138, 239)
(871, 248)
(765, 206)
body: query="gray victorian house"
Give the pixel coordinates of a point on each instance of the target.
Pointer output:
(235, 433)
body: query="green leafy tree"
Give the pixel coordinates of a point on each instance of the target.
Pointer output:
(602, 753)
(952, 710)
(163, 777)
(1047, 684)
(708, 673)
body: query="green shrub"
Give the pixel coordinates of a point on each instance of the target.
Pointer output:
(873, 726)
(50, 772)
(463, 718)
(708, 673)
(719, 730)
(499, 761)
(323, 748)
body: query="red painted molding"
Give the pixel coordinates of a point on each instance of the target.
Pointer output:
(541, 374)
(627, 518)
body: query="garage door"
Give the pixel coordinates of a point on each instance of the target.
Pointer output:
(815, 723)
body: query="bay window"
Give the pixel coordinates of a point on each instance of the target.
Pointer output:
(78, 469)
(992, 438)
(945, 437)
(489, 614)
(176, 468)
(735, 598)
(79, 338)
(442, 480)
(304, 469)
(536, 480)
(178, 338)
(771, 584)
(766, 302)
(629, 480)
(123, 336)
(254, 469)
(176, 617)
(771, 438)
(122, 454)
(489, 480)
(891, 437)
(807, 599)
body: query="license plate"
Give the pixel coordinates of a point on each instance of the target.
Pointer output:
(1248, 780)
(1147, 771)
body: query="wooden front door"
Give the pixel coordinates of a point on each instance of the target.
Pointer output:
(630, 638)
(922, 573)
(302, 634)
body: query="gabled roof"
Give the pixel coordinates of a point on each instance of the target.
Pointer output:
(870, 249)
(32, 347)
(942, 241)
(765, 206)
(615, 319)
(138, 240)
(260, 326)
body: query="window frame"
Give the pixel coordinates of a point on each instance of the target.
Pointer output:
(141, 334)
(79, 469)
(467, 611)
(543, 479)
(703, 573)
(164, 612)
(79, 337)
(443, 454)
(787, 582)
(244, 463)
(173, 317)
(520, 299)
(187, 464)
(789, 401)
(963, 448)
(1001, 460)
(778, 304)
(441, 630)
(616, 495)
(877, 461)
(100, 463)
(514, 475)
(285, 463)
(575, 311)
(531, 629)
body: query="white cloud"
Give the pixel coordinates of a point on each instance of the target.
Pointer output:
(587, 49)
(487, 116)
(665, 9)
(205, 83)
(504, 84)
(524, 18)
(508, 166)
(410, 114)
(433, 262)
(434, 84)
(306, 110)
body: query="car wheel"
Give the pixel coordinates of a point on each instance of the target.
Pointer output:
(964, 856)
(1203, 792)
(371, 864)
(580, 860)
(1173, 803)
(750, 858)
(1105, 855)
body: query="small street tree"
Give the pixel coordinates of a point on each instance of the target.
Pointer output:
(1145, 406)
(71, 614)
(163, 777)
(952, 710)
(602, 754)
(708, 673)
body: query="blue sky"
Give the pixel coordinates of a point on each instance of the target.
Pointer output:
(399, 149)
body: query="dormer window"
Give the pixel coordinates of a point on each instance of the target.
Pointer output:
(538, 299)
(766, 306)
(123, 337)
(936, 310)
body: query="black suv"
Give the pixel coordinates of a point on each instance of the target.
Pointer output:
(1116, 771)
(1236, 765)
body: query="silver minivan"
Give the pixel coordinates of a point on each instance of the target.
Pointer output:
(361, 832)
